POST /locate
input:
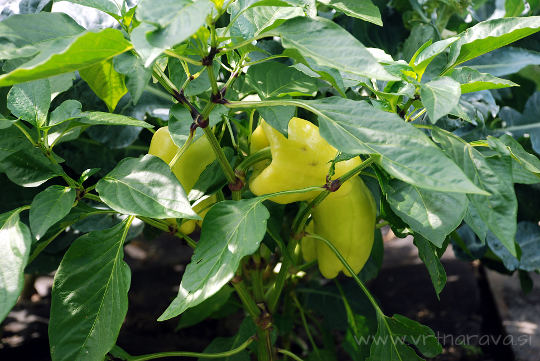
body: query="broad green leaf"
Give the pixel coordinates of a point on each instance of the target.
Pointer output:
(137, 76)
(440, 97)
(204, 310)
(6, 122)
(111, 7)
(106, 83)
(89, 296)
(145, 187)
(64, 55)
(23, 34)
(506, 145)
(28, 167)
(15, 242)
(428, 254)
(222, 344)
(50, 206)
(273, 79)
(68, 110)
(231, 230)
(147, 51)
(472, 80)
(432, 214)
(497, 211)
(364, 10)
(526, 123)
(355, 127)
(174, 20)
(314, 38)
(414, 333)
(30, 101)
(390, 347)
(513, 7)
(490, 35)
(278, 117)
(255, 21)
(102, 118)
(422, 59)
(11, 141)
(528, 238)
(504, 61)
(180, 121)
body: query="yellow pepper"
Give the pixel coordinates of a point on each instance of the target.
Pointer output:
(347, 219)
(187, 169)
(299, 161)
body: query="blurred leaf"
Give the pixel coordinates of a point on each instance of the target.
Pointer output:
(273, 79)
(14, 251)
(102, 118)
(505, 61)
(513, 7)
(111, 7)
(50, 206)
(519, 124)
(145, 186)
(90, 295)
(230, 231)
(202, 311)
(108, 84)
(222, 344)
(137, 76)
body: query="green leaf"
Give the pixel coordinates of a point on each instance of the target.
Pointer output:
(389, 347)
(355, 127)
(204, 310)
(272, 79)
(364, 10)
(137, 76)
(314, 38)
(106, 83)
(89, 295)
(527, 123)
(68, 110)
(278, 117)
(440, 97)
(30, 101)
(212, 178)
(425, 56)
(231, 230)
(513, 7)
(173, 20)
(472, 80)
(428, 254)
(24, 34)
(504, 61)
(223, 344)
(497, 211)
(506, 145)
(66, 54)
(50, 206)
(111, 7)
(432, 214)
(102, 118)
(414, 333)
(11, 141)
(490, 35)
(14, 251)
(254, 21)
(145, 186)
(528, 238)
(30, 168)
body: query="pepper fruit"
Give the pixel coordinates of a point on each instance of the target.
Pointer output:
(347, 219)
(299, 161)
(187, 168)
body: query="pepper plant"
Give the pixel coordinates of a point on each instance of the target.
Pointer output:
(296, 128)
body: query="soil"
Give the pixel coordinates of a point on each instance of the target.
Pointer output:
(466, 306)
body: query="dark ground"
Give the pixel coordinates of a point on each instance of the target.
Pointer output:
(466, 306)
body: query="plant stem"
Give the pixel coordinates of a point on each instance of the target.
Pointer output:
(23, 130)
(254, 158)
(247, 300)
(232, 352)
(306, 326)
(166, 228)
(184, 58)
(290, 354)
